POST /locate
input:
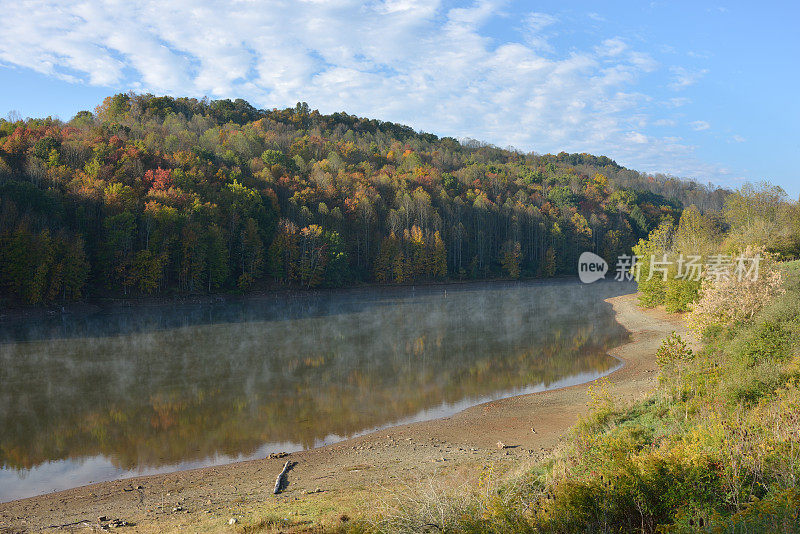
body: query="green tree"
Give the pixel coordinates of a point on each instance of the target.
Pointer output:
(42, 263)
(695, 233)
(439, 257)
(651, 268)
(194, 256)
(75, 269)
(118, 236)
(311, 261)
(337, 262)
(561, 196)
(509, 258)
(217, 259)
(640, 221)
(147, 271)
(549, 266)
(385, 262)
(252, 257)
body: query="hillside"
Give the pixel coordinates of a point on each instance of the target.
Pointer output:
(158, 195)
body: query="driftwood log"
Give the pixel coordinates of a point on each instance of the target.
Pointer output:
(281, 475)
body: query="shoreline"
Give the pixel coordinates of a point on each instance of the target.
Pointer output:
(90, 305)
(351, 473)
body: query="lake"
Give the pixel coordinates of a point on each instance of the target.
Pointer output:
(138, 390)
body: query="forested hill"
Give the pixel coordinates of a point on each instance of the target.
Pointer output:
(157, 195)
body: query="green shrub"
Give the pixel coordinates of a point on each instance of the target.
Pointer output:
(633, 495)
(679, 294)
(748, 384)
(778, 511)
(673, 358)
(768, 341)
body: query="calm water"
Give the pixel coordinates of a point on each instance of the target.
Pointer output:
(145, 390)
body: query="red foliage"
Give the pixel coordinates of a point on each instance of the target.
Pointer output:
(159, 179)
(115, 142)
(287, 181)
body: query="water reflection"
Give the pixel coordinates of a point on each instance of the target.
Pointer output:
(131, 392)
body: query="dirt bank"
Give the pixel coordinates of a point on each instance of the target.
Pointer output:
(353, 476)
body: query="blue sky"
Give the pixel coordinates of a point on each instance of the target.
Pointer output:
(694, 89)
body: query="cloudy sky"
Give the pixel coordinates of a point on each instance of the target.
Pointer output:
(695, 89)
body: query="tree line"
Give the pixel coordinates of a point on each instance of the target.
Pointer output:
(162, 195)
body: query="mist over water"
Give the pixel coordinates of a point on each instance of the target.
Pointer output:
(148, 389)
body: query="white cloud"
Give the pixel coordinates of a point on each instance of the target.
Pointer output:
(534, 32)
(699, 126)
(636, 137)
(411, 61)
(683, 78)
(539, 21)
(612, 47)
(664, 122)
(677, 102)
(738, 139)
(643, 61)
(699, 55)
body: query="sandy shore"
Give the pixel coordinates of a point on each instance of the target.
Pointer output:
(357, 475)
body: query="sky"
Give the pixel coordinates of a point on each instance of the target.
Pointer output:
(701, 90)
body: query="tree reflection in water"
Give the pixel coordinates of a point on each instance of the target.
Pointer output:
(151, 387)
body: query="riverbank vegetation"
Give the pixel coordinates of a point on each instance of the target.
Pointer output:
(714, 448)
(756, 221)
(172, 196)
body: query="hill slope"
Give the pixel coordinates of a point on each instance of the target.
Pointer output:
(161, 195)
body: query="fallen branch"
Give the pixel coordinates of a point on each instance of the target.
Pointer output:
(281, 475)
(82, 522)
